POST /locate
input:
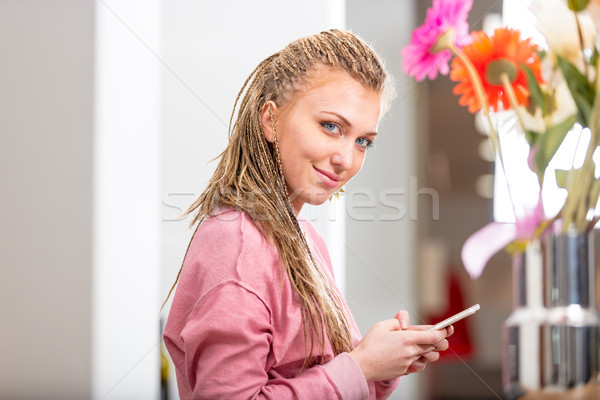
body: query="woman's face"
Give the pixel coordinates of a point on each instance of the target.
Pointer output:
(323, 133)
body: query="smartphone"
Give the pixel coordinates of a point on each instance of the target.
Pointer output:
(456, 317)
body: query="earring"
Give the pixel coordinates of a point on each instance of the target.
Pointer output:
(337, 194)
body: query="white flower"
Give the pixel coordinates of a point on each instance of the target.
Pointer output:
(594, 11)
(559, 26)
(563, 105)
(563, 108)
(533, 123)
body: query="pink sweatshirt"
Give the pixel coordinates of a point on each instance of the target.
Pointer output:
(235, 329)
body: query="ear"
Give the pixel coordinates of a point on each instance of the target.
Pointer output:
(265, 120)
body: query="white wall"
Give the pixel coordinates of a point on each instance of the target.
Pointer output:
(381, 236)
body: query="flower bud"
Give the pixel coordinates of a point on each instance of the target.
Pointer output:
(444, 42)
(577, 5)
(495, 69)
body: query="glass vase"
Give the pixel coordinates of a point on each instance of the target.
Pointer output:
(551, 338)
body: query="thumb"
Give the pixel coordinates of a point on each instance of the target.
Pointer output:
(390, 325)
(403, 317)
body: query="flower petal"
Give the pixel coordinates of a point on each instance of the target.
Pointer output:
(484, 243)
(418, 59)
(507, 45)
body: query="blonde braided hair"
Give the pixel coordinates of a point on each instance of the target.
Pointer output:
(249, 176)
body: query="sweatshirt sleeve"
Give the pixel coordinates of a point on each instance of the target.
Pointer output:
(227, 353)
(384, 389)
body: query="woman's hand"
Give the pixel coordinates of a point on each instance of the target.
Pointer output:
(419, 365)
(388, 351)
(432, 356)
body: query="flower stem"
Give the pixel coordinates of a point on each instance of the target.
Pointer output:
(485, 108)
(582, 186)
(480, 93)
(581, 44)
(594, 196)
(512, 99)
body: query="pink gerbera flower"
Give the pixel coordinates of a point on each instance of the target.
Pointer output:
(445, 17)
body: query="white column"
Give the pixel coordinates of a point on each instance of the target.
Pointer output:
(126, 216)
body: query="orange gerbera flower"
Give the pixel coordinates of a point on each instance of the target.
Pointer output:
(502, 53)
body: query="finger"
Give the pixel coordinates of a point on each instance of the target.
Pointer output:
(388, 325)
(417, 366)
(431, 356)
(419, 327)
(425, 337)
(442, 346)
(449, 330)
(426, 348)
(403, 317)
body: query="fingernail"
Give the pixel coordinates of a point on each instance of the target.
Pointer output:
(403, 324)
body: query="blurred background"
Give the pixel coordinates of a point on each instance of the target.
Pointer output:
(110, 112)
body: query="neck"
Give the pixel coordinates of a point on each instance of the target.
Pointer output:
(297, 207)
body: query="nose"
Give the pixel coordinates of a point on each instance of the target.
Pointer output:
(343, 157)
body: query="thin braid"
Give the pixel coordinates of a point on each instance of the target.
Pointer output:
(263, 64)
(276, 146)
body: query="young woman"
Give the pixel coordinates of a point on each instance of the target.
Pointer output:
(256, 314)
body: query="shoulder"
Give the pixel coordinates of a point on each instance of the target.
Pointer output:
(226, 232)
(228, 245)
(225, 223)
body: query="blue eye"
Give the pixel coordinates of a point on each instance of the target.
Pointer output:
(364, 142)
(331, 128)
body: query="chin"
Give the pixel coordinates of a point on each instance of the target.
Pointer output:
(316, 195)
(318, 202)
(319, 199)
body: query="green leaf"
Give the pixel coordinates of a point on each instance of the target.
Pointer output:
(549, 142)
(594, 58)
(534, 89)
(594, 191)
(540, 53)
(582, 91)
(561, 178)
(532, 137)
(578, 5)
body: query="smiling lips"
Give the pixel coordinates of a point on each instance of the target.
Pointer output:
(330, 179)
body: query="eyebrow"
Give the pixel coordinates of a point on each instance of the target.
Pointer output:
(345, 120)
